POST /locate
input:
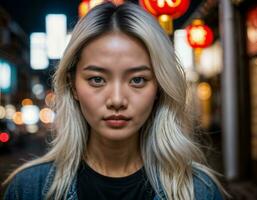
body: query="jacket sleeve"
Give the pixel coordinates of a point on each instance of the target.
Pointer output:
(10, 193)
(217, 194)
(23, 186)
(28, 184)
(205, 188)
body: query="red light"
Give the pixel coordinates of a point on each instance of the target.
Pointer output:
(4, 137)
(199, 35)
(173, 8)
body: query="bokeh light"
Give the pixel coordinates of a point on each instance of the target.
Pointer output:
(204, 91)
(46, 115)
(38, 91)
(4, 137)
(17, 118)
(32, 128)
(26, 102)
(49, 100)
(9, 111)
(30, 114)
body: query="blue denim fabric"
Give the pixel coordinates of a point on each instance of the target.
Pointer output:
(34, 182)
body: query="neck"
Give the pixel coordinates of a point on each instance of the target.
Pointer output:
(114, 158)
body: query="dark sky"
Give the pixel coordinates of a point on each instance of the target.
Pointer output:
(30, 14)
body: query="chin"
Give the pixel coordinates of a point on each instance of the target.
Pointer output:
(117, 135)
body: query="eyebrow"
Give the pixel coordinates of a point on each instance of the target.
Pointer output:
(104, 70)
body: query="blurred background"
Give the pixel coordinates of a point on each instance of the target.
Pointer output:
(216, 41)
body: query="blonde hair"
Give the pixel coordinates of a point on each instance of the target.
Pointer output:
(168, 153)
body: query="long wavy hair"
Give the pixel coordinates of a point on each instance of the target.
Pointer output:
(167, 149)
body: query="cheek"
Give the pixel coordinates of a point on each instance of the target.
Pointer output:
(89, 105)
(143, 104)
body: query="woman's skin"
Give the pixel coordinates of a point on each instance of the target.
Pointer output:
(116, 89)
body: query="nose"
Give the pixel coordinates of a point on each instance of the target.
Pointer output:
(117, 99)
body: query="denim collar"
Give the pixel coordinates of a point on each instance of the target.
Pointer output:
(72, 194)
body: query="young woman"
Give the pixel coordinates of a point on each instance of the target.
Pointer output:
(121, 120)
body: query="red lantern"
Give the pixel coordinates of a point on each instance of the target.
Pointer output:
(173, 8)
(166, 10)
(199, 35)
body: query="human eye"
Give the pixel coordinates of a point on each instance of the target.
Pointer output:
(138, 81)
(96, 81)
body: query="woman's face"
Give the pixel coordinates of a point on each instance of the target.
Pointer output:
(115, 86)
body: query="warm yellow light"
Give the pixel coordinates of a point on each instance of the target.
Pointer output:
(46, 115)
(83, 9)
(26, 102)
(17, 118)
(204, 91)
(165, 18)
(198, 22)
(198, 35)
(166, 23)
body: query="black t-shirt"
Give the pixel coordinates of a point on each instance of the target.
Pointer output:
(94, 186)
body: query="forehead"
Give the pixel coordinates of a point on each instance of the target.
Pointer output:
(116, 39)
(115, 50)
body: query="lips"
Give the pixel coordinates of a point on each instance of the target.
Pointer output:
(117, 117)
(117, 121)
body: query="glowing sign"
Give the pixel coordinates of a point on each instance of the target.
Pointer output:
(38, 51)
(56, 30)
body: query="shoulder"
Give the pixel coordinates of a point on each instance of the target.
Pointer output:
(34, 173)
(205, 187)
(31, 181)
(36, 169)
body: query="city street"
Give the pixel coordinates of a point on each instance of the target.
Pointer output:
(178, 71)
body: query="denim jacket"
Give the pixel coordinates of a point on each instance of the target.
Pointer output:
(33, 184)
